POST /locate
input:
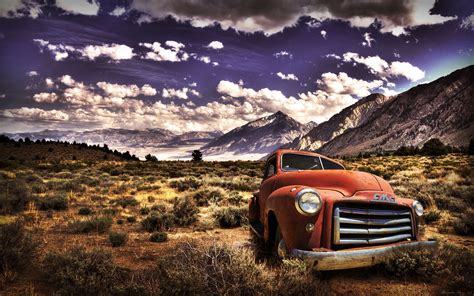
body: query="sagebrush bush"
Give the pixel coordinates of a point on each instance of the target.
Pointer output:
(450, 266)
(158, 222)
(158, 237)
(464, 225)
(235, 199)
(419, 263)
(118, 239)
(186, 184)
(431, 216)
(231, 216)
(81, 272)
(56, 202)
(92, 224)
(160, 207)
(85, 211)
(131, 219)
(144, 211)
(185, 211)
(221, 270)
(14, 196)
(17, 247)
(126, 201)
(204, 197)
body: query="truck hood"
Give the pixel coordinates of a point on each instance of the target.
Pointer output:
(345, 182)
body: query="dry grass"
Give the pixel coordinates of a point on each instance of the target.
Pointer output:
(75, 203)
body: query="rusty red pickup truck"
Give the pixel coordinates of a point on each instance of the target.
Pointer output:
(310, 207)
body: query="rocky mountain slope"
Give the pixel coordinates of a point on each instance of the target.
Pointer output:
(122, 137)
(263, 135)
(350, 117)
(441, 109)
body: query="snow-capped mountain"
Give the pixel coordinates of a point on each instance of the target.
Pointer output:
(261, 136)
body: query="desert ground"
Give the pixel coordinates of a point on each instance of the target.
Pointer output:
(104, 227)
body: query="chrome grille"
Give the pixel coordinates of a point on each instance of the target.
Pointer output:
(370, 225)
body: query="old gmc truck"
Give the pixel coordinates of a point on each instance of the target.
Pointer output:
(310, 207)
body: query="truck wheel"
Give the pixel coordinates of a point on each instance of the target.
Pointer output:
(279, 245)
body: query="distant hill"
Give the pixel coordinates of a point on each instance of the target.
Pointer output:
(263, 135)
(56, 151)
(442, 109)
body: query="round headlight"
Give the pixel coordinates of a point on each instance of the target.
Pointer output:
(418, 208)
(308, 202)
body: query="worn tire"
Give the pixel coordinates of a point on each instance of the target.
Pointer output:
(279, 246)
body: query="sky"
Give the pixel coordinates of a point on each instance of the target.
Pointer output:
(206, 65)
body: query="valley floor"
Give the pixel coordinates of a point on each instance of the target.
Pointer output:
(79, 204)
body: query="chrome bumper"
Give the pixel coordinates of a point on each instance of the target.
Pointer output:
(347, 259)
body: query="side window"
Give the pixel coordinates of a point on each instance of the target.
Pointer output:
(330, 165)
(270, 168)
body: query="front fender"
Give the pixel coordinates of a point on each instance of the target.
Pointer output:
(281, 203)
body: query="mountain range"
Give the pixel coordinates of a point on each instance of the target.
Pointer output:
(441, 109)
(123, 137)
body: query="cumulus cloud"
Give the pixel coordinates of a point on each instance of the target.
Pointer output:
(113, 51)
(368, 40)
(35, 114)
(172, 51)
(343, 84)
(382, 68)
(179, 93)
(324, 34)
(407, 70)
(468, 23)
(215, 45)
(317, 106)
(83, 7)
(273, 16)
(118, 11)
(124, 90)
(20, 8)
(31, 73)
(49, 82)
(59, 51)
(148, 90)
(91, 52)
(204, 59)
(119, 90)
(67, 80)
(45, 97)
(287, 76)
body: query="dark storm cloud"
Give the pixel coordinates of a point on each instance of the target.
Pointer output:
(272, 16)
(451, 8)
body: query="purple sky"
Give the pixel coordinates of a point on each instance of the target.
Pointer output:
(214, 65)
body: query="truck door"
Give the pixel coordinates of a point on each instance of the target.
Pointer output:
(268, 183)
